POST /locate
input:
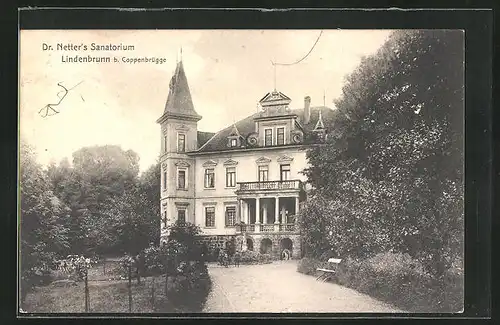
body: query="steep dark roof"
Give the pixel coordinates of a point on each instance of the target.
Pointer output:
(179, 97)
(203, 137)
(247, 126)
(234, 131)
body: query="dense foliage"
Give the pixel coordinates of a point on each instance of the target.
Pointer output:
(390, 178)
(111, 205)
(189, 289)
(188, 280)
(43, 236)
(396, 278)
(99, 204)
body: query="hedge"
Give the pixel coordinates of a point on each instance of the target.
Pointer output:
(251, 257)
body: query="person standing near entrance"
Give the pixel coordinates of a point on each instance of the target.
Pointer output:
(285, 255)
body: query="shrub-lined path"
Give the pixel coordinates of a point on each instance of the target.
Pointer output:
(279, 288)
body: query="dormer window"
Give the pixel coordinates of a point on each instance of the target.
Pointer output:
(233, 140)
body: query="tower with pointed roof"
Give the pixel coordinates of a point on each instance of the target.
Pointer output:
(179, 135)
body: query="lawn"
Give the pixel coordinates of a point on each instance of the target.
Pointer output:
(107, 294)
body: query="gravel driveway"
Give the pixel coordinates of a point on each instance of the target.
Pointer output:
(279, 288)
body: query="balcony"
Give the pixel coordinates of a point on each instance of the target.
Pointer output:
(268, 228)
(269, 186)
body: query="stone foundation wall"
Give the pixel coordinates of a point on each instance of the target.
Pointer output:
(214, 242)
(276, 240)
(218, 242)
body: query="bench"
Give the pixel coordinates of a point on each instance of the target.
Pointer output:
(326, 274)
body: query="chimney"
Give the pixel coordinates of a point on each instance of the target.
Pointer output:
(307, 109)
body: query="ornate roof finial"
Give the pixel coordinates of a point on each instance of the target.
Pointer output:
(274, 77)
(274, 68)
(234, 131)
(319, 125)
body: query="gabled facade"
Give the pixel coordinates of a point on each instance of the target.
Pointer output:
(243, 184)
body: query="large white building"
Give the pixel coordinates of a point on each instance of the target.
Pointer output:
(248, 172)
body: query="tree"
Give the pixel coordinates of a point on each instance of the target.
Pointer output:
(99, 175)
(43, 236)
(132, 223)
(395, 172)
(150, 186)
(183, 236)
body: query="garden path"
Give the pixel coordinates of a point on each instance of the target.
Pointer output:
(279, 288)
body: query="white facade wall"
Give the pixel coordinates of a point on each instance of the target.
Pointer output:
(246, 171)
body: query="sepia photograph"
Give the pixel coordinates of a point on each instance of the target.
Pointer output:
(241, 171)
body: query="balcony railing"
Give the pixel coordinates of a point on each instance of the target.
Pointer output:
(267, 228)
(270, 185)
(288, 227)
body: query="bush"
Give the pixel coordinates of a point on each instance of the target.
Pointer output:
(153, 261)
(188, 280)
(308, 266)
(265, 259)
(397, 279)
(252, 257)
(190, 288)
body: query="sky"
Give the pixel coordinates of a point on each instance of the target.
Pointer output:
(228, 72)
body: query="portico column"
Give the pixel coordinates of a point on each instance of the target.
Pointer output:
(244, 211)
(296, 207)
(257, 211)
(248, 214)
(241, 211)
(265, 213)
(277, 210)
